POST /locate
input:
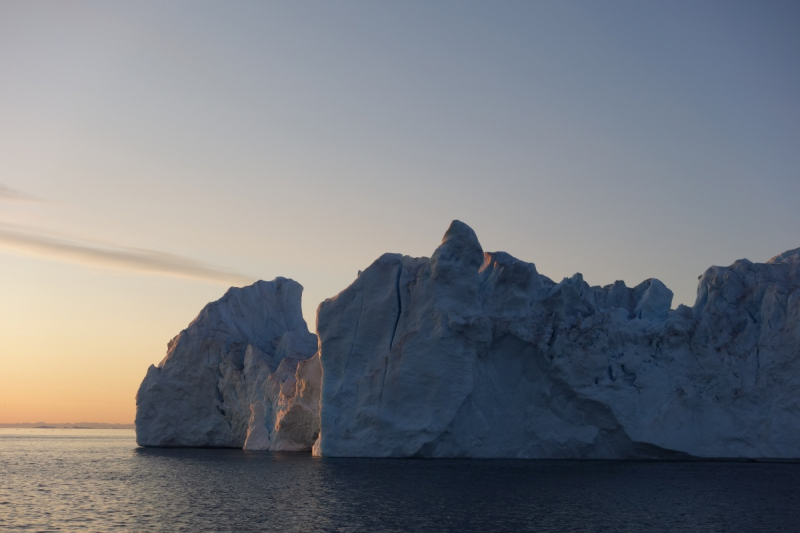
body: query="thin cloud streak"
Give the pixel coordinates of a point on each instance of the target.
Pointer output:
(120, 258)
(7, 193)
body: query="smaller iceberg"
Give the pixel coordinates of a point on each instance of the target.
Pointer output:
(237, 377)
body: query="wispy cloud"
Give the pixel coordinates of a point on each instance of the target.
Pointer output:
(7, 193)
(28, 242)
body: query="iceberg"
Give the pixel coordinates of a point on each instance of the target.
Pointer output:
(473, 354)
(230, 378)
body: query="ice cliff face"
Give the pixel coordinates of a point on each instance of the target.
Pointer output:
(236, 377)
(472, 354)
(469, 354)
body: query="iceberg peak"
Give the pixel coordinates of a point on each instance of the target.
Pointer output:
(460, 244)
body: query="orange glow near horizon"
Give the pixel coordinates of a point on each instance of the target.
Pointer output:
(76, 344)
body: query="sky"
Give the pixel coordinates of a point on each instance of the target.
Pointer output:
(153, 154)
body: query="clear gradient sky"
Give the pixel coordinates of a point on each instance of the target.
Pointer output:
(154, 153)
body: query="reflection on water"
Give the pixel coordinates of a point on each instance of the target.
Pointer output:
(98, 480)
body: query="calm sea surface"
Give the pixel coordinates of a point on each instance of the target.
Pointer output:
(98, 480)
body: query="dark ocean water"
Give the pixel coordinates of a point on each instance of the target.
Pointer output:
(84, 480)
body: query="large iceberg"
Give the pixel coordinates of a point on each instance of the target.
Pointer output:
(469, 354)
(473, 354)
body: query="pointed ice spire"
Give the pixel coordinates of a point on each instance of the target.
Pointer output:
(460, 244)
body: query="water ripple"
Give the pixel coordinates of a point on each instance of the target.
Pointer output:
(81, 480)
